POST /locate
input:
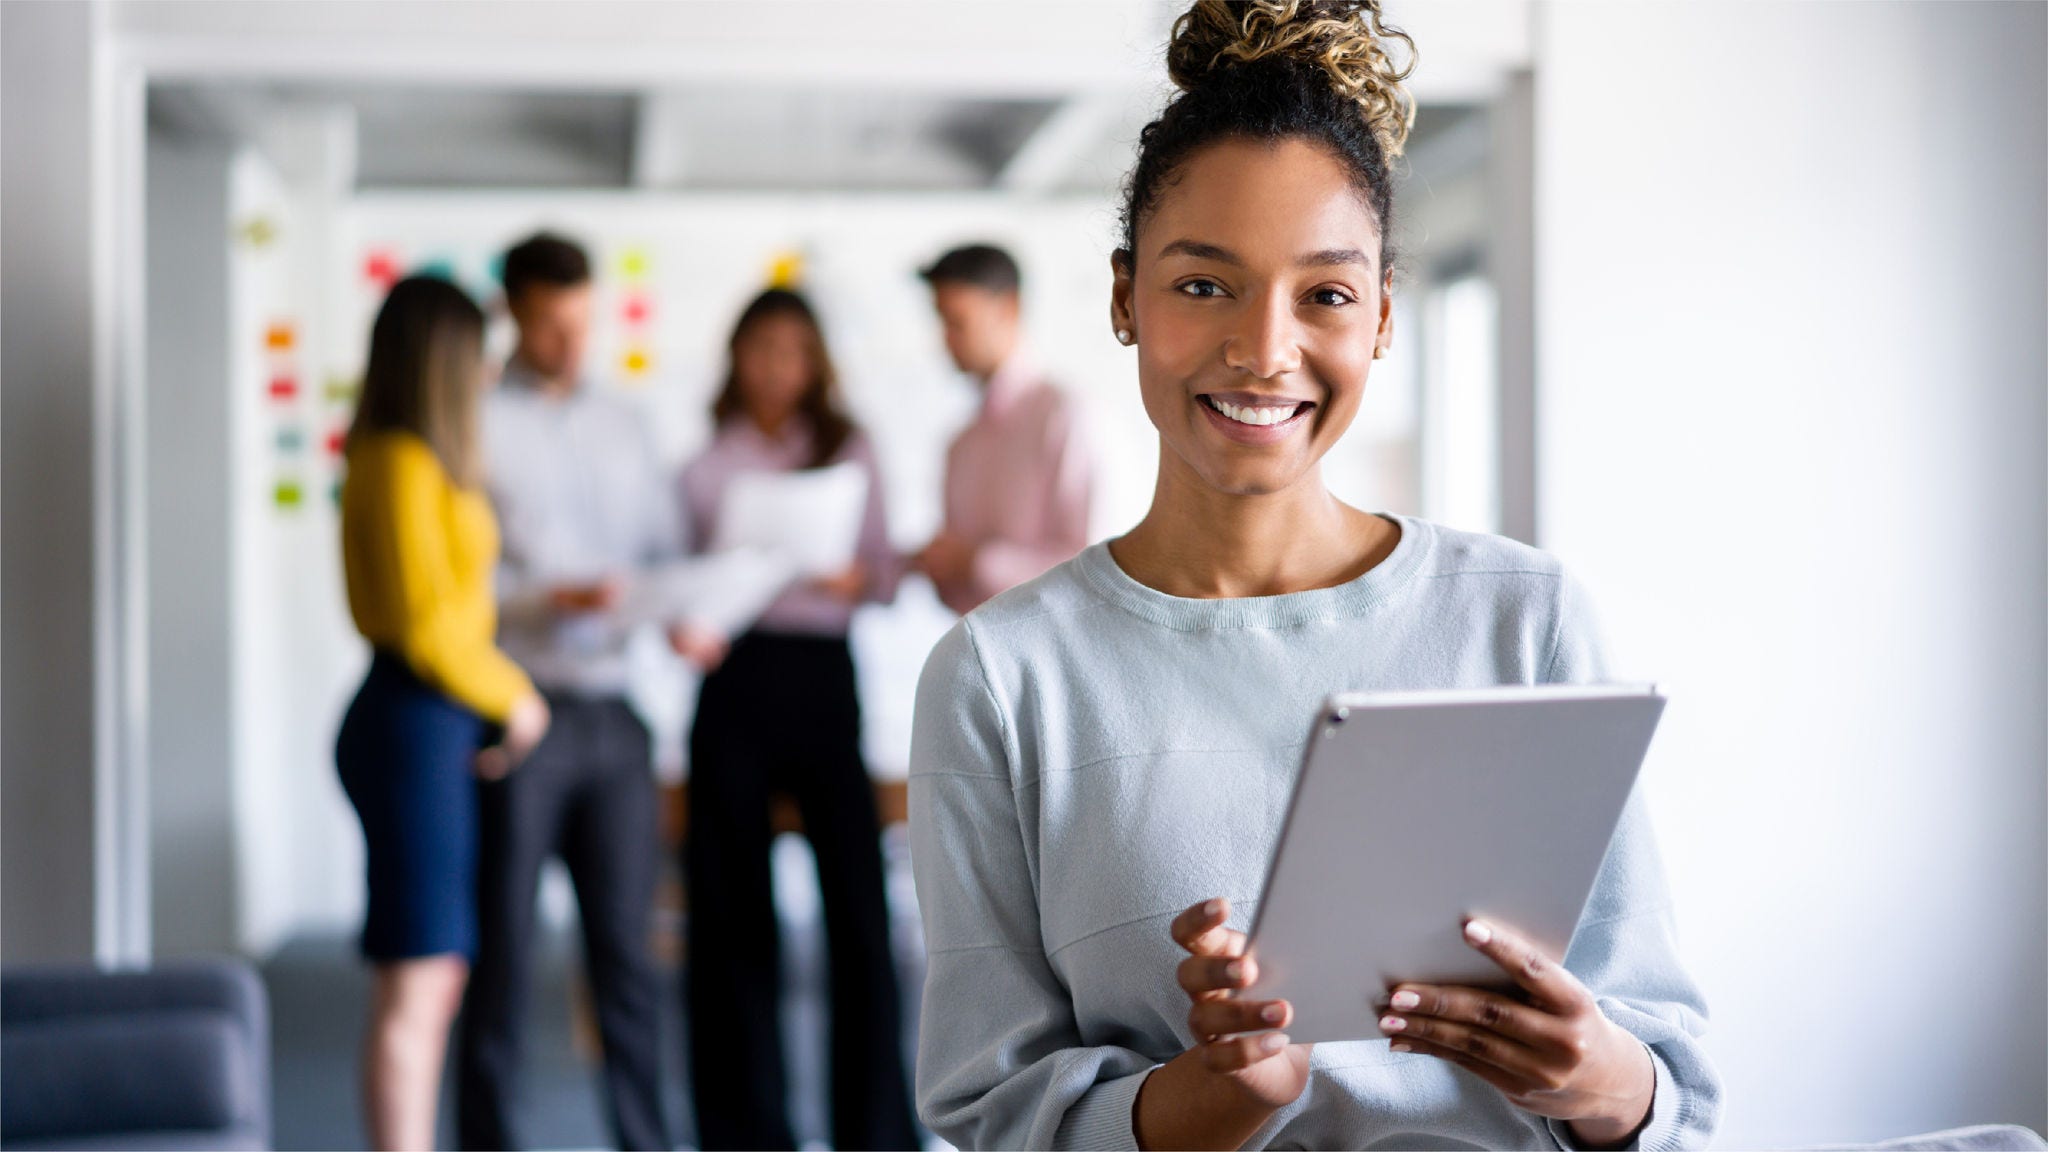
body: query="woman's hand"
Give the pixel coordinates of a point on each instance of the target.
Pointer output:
(1217, 1093)
(702, 647)
(846, 587)
(1555, 1055)
(524, 728)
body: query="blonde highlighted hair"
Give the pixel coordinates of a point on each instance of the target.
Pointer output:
(425, 374)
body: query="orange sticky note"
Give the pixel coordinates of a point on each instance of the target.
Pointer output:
(280, 337)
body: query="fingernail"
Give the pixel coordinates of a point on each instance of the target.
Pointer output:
(1272, 1013)
(1404, 1001)
(1273, 1041)
(1213, 908)
(1478, 933)
(1234, 970)
(1392, 1023)
(1402, 1046)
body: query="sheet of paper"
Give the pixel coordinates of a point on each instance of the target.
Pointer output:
(725, 591)
(811, 518)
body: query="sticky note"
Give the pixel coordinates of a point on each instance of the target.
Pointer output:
(288, 494)
(340, 390)
(257, 231)
(283, 388)
(380, 267)
(635, 309)
(337, 442)
(636, 361)
(786, 270)
(438, 267)
(634, 263)
(290, 440)
(280, 336)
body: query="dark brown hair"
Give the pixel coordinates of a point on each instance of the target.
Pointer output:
(982, 266)
(544, 258)
(831, 427)
(425, 371)
(1270, 70)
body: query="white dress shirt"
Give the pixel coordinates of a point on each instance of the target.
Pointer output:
(581, 495)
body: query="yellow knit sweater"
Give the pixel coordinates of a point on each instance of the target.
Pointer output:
(420, 555)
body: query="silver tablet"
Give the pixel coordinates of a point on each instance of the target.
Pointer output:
(1415, 810)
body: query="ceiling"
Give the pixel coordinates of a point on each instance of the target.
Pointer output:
(704, 139)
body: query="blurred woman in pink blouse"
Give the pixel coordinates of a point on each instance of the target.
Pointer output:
(780, 714)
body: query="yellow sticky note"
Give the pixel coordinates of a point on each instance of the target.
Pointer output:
(786, 270)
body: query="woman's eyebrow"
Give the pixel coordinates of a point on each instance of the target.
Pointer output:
(1322, 259)
(1330, 256)
(1200, 251)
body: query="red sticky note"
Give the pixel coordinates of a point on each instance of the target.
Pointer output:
(283, 388)
(635, 309)
(336, 441)
(381, 268)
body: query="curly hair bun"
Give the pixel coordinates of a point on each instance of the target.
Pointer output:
(1346, 39)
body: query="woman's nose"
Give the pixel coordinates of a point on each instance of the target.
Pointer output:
(1264, 342)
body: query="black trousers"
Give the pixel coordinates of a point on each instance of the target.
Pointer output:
(781, 714)
(586, 794)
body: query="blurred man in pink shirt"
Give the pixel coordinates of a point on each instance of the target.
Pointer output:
(1017, 477)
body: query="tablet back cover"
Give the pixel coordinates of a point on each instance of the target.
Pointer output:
(1416, 810)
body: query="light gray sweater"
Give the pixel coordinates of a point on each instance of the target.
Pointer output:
(1092, 756)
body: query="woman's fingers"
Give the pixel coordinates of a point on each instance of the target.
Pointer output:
(1241, 1052)
(1523, 1063)
(1487, 1010)
(1200, 930)
(1213, 976)
(1227, 1017)
(1513, 1087)
(1544, 978)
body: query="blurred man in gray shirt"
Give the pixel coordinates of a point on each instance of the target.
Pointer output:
(584, 507)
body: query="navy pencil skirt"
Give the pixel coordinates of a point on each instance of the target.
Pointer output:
(405, 752)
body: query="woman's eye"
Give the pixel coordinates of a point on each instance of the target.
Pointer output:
(1331, 297)
(1203, 288)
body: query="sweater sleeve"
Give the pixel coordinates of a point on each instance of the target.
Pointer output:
(1625, 948)
(1000, 1061)
(438, 617)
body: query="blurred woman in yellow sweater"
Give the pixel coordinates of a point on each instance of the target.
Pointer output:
(440, 702)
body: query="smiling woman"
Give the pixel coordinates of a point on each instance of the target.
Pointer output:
(1101, 757)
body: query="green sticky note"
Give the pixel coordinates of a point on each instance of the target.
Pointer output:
(288, 494)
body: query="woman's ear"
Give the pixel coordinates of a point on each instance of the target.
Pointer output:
(1384, 338)
(1122, 320)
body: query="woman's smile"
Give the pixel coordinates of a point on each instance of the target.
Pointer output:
(1254, 419)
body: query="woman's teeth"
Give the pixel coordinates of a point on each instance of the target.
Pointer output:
(1249, 415)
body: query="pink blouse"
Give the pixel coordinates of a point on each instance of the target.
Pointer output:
(740, 446)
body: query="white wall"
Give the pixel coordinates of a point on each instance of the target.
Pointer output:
(191, 751)
(1792, 374)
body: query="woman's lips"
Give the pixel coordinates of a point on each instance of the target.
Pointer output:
(1249, 418)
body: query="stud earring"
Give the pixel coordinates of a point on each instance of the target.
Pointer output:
(1123, 336)
(1379, 352)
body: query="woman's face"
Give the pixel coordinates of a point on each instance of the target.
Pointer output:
(1256, 299)
(772, 361)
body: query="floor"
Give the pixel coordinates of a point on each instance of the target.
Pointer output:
(318, 990)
